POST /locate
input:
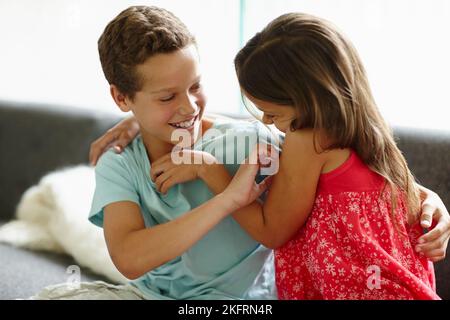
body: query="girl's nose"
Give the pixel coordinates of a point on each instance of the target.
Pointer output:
(267, 120)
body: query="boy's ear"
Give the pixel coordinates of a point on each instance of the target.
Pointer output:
(119, 98)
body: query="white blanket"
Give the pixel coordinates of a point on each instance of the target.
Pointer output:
(52, 216)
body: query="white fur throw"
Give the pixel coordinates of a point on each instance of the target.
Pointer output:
(52, 216)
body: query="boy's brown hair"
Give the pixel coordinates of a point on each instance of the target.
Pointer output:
(132, 37)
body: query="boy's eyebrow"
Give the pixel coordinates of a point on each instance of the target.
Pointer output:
(197, 79)
(163, 90)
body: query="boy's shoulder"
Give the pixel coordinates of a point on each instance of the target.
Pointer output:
(129, 159)
(229, 124)
(233, 127)
(225, 130)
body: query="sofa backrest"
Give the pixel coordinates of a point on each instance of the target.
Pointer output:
(36, 139)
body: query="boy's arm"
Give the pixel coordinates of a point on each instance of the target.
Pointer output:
(250, 217)
(135, 249)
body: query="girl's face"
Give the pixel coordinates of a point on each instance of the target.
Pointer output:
(279, 115)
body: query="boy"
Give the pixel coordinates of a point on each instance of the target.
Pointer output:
(173, 244)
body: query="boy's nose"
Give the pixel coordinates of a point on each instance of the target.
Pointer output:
(189, 106)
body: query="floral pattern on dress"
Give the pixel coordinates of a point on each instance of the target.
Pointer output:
(346, 237)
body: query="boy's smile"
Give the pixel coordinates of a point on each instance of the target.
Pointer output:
(187, 124)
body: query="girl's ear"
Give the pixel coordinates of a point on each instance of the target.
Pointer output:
(119, 98)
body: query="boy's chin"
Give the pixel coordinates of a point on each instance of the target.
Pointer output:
(185, 138)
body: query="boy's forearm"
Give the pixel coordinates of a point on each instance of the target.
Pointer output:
(215, 176)
(149, 248)
(251, 217)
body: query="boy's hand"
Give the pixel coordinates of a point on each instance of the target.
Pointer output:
(243, 189)
(118, 137)
(189, 165)
(434, 243)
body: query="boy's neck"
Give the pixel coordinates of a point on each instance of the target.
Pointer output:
(157, 148)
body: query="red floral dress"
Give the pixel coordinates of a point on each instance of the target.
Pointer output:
(349, 247)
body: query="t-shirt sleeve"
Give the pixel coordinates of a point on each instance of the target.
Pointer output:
(113, 183)
(239, 142)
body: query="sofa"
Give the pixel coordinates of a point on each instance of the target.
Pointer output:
(36, 139)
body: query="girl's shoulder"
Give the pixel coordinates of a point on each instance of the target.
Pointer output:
(312, 145)
(335, 159)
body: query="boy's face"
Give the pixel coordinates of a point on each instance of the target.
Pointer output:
(172, 96)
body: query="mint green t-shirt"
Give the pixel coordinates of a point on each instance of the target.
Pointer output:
(226, 263)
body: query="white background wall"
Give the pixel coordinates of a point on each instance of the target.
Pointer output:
(48, 49)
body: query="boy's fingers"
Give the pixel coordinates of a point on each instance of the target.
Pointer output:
(437, 254)
(263, 185)
(436, 259)
(434, 234)
(426, 217)
(429, 246)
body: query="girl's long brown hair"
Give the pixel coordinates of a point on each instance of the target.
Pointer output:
(303, 61)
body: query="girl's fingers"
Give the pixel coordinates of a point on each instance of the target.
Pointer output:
(121, 143)
(163, 159)
(168, 183)
(157, 170)
(162, 178)
(99, 146)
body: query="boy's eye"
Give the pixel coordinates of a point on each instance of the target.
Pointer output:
(168, 98)
(196, 87)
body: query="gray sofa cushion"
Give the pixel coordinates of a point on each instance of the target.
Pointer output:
(24, 273)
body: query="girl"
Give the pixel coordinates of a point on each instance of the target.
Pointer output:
(341, 209)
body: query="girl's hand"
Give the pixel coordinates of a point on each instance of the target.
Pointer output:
(188, 165)
(243, 189)
(434, 243)
(118, 137)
